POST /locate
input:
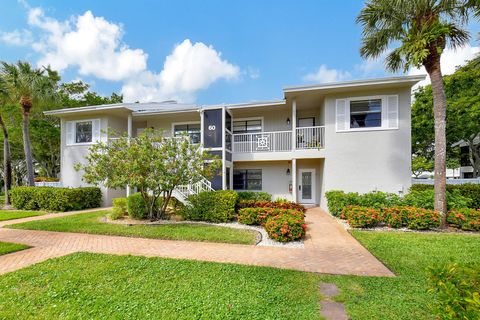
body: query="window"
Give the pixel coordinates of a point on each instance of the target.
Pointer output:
(306, 122)
(366, 113)
(191, 129)
(247, 179)
(83, 132)
(247, 126)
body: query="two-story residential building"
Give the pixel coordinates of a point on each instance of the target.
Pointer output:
(352, 136)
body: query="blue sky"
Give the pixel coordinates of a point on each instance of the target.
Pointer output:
(195, 51)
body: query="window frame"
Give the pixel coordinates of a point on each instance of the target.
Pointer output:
(384, 113)
(188, 123)
(248, 119)
(245, 181)
(74, 143)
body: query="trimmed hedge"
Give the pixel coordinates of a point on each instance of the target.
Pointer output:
(286, 227)
(259, 216)
(361, 217)
(425, 199)
(119, 208)
(465, 219)
(394, 217)
(338, 200)
(213, 206)
(468, 190)
(136, 206)
(55, 199)
(271, 204)
(254, 195)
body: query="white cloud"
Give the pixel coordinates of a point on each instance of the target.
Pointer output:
(253, 73)
(16, 37)
(90, 43)
(324, 74)
(188, 69)
(450, 60)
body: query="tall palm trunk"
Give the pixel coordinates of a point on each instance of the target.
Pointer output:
(7, 162)
(439, 113)
(26, 106)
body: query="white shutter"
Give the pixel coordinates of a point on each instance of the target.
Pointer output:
(96, 133)
(70, 132)
(392, 112)
(341, 115)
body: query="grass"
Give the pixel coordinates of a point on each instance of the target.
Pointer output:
(89, 223)
(408, 255)
(7, 247)
(14, 214)
(94, 286)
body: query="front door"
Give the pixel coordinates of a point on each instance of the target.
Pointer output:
(306, 187)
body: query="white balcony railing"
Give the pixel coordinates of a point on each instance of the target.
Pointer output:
(277, 141)
(262, 142)
(310, 138)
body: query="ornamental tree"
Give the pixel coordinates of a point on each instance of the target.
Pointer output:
(152, 163)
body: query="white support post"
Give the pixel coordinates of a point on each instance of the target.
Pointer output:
(231, 176)
(129, 133)
(224, 167)
(294, 180)
(294, 125)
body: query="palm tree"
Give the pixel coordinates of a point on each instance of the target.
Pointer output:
(414, 33)
(7, 161)
(29, 86)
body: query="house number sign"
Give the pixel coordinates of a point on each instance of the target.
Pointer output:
(211, 127)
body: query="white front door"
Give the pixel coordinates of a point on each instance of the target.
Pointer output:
(306, 187)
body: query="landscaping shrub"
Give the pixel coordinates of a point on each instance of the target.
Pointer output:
(422, 219)
(361, 217)
(395, 217)
(425, 199)
(465, 219)
(119, 208)
(456, 289)
(285, 227)
(253, 195)
(213, 206)
(338, 200)
(259, 216)
(271, 204)
(136, 206)
(468, 190)
(55, 199)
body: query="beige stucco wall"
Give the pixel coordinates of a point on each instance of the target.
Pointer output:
(368, 160)
(164, 122)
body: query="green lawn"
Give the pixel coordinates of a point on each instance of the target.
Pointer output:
(89, 223)
(13, 214)
(7, 247)
(94, 286)
(408, 255)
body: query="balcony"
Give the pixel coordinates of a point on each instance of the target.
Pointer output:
(306, 138)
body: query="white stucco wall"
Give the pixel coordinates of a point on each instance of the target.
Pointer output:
(368, 160)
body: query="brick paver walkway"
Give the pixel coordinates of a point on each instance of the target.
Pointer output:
(328, 249)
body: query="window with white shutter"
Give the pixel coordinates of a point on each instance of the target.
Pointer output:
(367, 113)
(341, 114)
(83, 132)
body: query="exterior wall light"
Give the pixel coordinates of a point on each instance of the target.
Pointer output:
(288, 171)
(288, 121)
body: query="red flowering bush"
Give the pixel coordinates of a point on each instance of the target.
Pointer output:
(271, 204)
(422, 219)
(259, 216)
(361, 217)
(286, 227)
(465, 219)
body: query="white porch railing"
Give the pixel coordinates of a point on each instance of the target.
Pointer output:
(277, 141)
(182, 192)
(262, 142)
(310, 138)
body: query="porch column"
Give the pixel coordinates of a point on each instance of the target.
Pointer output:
(294, 180)
(129, 133)
(294, 125)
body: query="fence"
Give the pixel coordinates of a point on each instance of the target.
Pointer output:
(449, 181)
(56, 184)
